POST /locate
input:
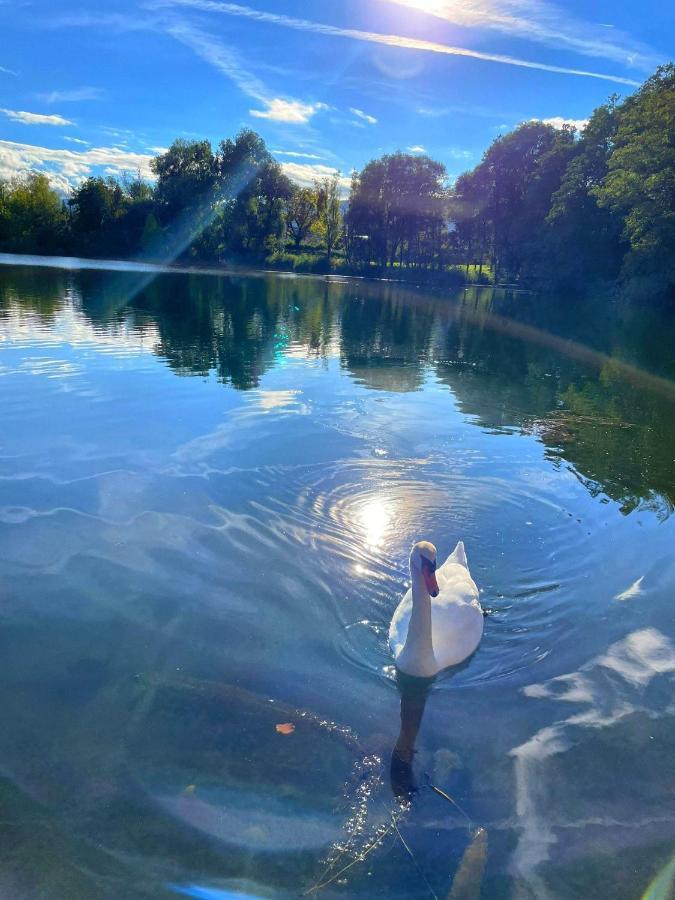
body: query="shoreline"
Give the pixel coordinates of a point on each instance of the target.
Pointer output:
(76, 263)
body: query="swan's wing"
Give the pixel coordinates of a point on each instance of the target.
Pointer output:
(398, 630)
(458, 556)
(454, 580)
(457, 627)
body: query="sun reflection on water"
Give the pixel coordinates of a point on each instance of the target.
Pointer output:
(374, 518)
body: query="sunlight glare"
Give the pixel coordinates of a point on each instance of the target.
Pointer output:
(374, 518)
(433, 7)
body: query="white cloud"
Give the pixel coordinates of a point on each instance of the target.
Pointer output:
(459, 153)
(73, 95)
(74, 140)
(305, 174)
(226, 61)
(29, 118)
(292, 111)
(416, 148)
(558, 122)
(371, 120)
(296, 154)
(542, 22)
(66, 168)
(7, 71)
(390, 40)
(158, 150)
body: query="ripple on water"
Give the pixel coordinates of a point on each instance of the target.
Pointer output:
(360, 518)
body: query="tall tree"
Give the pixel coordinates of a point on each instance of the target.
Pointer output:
(252, 191)
(329, 217)
(396, 207)
(32, 216)
(640, 182)
(186, 177)
(301, 214)
(582, 241)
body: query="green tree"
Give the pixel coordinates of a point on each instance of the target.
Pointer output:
(95, 206)
(328, 223)
(186, 177)
(252, 192)
(32, 216)
(301, 214)
(396, 211)
(640, 182)
(582, 241)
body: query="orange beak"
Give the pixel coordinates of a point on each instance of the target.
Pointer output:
(430, 581)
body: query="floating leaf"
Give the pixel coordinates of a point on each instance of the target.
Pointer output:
(285, 728)
(190, 789)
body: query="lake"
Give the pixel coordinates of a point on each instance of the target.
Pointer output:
(209, 487)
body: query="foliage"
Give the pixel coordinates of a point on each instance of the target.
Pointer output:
(544, 207)
(640, 183)
(328, 224)
(301, 214)
(396, 211)
(32, 216)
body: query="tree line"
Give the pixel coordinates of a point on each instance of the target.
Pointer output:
(544, 206)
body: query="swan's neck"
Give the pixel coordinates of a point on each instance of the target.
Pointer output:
(419, 651)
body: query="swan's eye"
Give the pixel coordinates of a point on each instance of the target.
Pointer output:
(428, 564)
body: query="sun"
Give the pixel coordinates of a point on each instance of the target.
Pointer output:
(433, 7)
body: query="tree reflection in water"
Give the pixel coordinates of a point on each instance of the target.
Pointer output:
(616, 434)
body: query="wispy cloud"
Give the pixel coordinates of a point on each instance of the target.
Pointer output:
(7, 71)
(221, 57)
(72, 96)
(371, 120)
(158, 150)
(542, 22)
(65, 168)
(391, 40)
(416, 148)
(294, 112)
(459, 153)
(296, 154)
(30, 118)
(226, 61)
(559, 122)
(74, 140)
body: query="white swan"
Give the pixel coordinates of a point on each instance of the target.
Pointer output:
(429, 635)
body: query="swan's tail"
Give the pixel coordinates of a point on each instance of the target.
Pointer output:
(458, 555)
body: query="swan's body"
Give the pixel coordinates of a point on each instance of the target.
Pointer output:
(429, 634)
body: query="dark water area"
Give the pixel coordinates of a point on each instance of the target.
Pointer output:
(209, 486)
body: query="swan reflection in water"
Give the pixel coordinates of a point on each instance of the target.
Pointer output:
(414, 695)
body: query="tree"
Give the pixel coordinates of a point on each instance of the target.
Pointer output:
(396, 211)
(301, 214)
(252, 191)
(186, 176)
(328, 223)
(640, 182)
(582, 241)
(32, 216)
(94, 204)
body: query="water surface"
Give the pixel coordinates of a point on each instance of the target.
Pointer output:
(209, 486)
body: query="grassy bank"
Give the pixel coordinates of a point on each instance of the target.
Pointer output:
(317, 264)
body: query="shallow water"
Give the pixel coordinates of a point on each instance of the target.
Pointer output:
(208, 490)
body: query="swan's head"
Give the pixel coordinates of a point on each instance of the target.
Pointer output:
(423, 559)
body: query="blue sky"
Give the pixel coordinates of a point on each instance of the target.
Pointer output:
(89, 88)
